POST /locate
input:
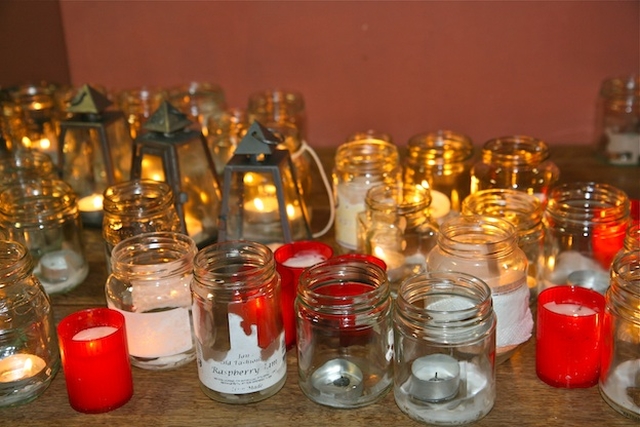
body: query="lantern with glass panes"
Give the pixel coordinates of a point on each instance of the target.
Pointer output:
(261, 200)
(170, 150)
(94, 150)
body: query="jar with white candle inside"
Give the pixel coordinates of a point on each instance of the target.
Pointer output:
(619, 382)
(445, 341)
(360, 165)
(397, 228)
(43, 215)
(28, 344)
(150, 285)
(487, 248)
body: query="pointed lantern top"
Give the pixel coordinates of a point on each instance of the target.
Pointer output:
(88, 100)
(258, 140)
(167, 119)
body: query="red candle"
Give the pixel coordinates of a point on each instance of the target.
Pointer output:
(568, 336)
(95, 360)
(291, 260)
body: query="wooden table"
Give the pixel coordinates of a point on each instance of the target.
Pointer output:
(173, 398)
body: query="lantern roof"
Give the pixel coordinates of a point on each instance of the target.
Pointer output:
(258, 140)
(167, 119)
(88, 100)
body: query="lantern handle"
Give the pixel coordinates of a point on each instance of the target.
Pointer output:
(332, 208)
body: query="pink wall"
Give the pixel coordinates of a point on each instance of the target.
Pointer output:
(483, 68)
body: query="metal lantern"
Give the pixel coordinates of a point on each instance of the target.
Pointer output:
(261, 200)
(171, 151)
(94, 150)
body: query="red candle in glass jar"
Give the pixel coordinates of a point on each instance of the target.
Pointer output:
(95, 360)
(568, 336)
(291, 260)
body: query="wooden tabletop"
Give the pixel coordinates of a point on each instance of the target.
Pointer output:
(173, 398)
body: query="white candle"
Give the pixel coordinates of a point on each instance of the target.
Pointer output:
(304, 259)
(574, 310)
(435, 378)
(58, 266)
(262, 210)
(440, 205)
(92, 203)
(20, 366)
(94, 333)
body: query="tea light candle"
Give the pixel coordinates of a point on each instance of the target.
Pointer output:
(338, 379)
(90, 208)
(95, 359)
(435, 378)
(568, 336)
(58, 266)
(619, 384)
(20, 366)
(393, 259)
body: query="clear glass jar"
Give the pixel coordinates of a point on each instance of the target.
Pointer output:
(138, 104)
(43, 215)
(396, 227)
(135, 207)
(618, 120)
(632, 237)
(345, 335)
(445, 342)
(23, 165)
(441, 162)
(524, 212)
(150, 286)
(279, 106)
(225, 132)
(240, 340)
(29, 355)
(619, 382)
(487, 248)
(201, 101)
(360, 165)
(585, 226)
(518, 162)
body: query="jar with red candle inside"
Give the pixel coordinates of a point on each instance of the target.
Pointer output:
(345, 335)
(240, 339)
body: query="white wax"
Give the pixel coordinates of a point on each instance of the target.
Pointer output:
(574, 310)
(90, 203)
(304, 259)
(440, 205)
(94, 333)
(20, 366)
(622, 377)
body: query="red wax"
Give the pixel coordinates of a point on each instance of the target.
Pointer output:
(97, 370)
(289, 276)
(568, 336)
(260, 311)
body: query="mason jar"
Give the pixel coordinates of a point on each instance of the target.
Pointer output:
(23, 165)
(440, 161)
(43, 215)
(29, 355)
(487, 248)
(359, 165)
(345, 335)
(150, 285)
(524, 212)
(518, 162)
(240, 340)
(445, 343)
(620, 358)
(585, 226)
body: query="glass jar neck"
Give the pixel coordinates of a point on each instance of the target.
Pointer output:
(632, 238)
(623, 296)
(15, 263)
(439, 148)
(138, 198)
(407, 201)
(38, 202)
(515, 151)
(522, 210)
(367, 157)
(479, 237)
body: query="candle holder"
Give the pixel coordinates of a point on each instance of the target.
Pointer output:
(94, 150)
(171, 152)
(261, 200)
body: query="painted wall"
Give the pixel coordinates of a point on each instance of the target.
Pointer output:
(484, 68)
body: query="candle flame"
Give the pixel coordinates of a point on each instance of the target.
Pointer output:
(259, 204)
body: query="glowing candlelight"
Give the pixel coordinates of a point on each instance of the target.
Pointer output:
(19, 367)
(92, 203)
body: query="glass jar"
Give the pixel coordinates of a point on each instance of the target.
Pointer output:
(524, 212)
(200, 101)
(135, 207)
(441, 162)
(487, 248)
(279, 106)
(23, 165)
(43, 215)
(29, 355)
(138, 104)
(396, 228)
(585, 226)
(632, 237)
(225, 132)
(345, 335)
(619, 382)
(240, 340)
(618, 120)
(518, 162)
(150, 286)
(360, 165)
(445, 341)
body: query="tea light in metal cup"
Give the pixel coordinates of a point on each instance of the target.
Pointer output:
(339, 379)
(435, 378)
(592, 279)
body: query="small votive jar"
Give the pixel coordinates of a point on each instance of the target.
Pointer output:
(43, 215)
(619, 381)
(345, 335)
(29, 357)
(445, 343)
(150, 286)
(568, 336)
(240, 339)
